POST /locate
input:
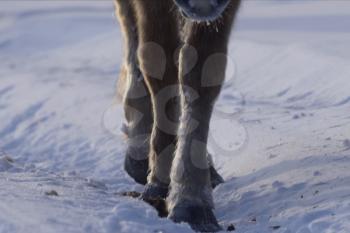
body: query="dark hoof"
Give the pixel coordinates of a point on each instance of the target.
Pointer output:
(137, 169)
(153, 191)
(201, 219)
(215, 178)
(159, 204)
(155, 196)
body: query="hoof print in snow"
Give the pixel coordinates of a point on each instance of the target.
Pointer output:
(275, 227)
(231, 227)
(8, 159)
(253, 220)
(96, 184)
(51, 193)
(346, 144)
(6, 163)
(132, 194)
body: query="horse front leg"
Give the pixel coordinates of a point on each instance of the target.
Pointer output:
(190, 199)
(158, 42)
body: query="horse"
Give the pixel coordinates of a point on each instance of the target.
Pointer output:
(173, 71)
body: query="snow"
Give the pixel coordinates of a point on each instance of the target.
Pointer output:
(280, 132)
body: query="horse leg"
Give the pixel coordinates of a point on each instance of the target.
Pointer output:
(190, 198)
(136, 97)
(158, 42)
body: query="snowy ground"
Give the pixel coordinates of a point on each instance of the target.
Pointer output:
(284, 122)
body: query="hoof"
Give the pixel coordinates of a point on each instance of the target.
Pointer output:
(215, 178)
(155, 196)
(137, 169)
(201, 219)
(154, 191)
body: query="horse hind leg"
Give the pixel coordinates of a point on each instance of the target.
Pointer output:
(136, 98)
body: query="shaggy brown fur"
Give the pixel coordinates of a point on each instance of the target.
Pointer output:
(174, 68)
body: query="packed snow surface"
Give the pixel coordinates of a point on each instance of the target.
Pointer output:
(280, 134)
